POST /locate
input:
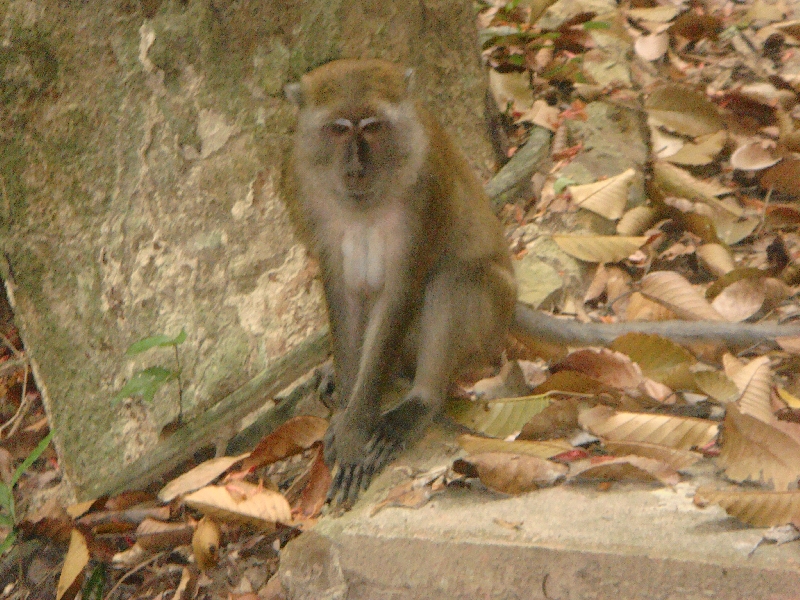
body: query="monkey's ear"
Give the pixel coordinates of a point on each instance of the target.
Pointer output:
(294, 93)
(410, 79)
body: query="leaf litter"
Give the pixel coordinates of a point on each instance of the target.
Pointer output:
(718, 94)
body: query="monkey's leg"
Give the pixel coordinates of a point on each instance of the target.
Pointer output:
(462, 322)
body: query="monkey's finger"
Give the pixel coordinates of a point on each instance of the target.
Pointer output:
(353, 485)
(336, 486)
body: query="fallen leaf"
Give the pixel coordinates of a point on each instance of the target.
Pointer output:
(658, 358)
(607, 197)
(201, 475)
(543, 449)
(515, 473)
(756, 508)
(293, 437)
(740, 300)
(315, 490)
(683, 433)
(206, 542)
(652, 47)
(498, 418)
(754, 381)
(672, 457)
(717, 258)
(599, 248)
(717, 385)
(624, 468)
(601, 364)
(754, 156)
(701, 152)
(153, 535)
(752, 450)
(242, 502)
(683, 110)
(72, 573)
(676, 293)
(636, 221)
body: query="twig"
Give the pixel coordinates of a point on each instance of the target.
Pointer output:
(138, 567)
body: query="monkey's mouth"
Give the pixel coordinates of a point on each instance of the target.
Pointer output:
(358, 185)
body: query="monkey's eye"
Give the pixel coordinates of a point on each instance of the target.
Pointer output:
(371, 125)
(339, 127)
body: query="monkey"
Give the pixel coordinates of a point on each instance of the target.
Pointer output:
(415, 269)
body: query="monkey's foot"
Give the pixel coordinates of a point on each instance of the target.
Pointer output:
(395, 429)
(350, 473)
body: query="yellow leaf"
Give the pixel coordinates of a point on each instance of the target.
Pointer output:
(759, 509)
(74, 563)
(674, 432)
(599, 248)
(607, 197)
(753, 450)
(546, 449)
(680, 296)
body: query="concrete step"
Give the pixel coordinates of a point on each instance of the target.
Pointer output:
(570, 542)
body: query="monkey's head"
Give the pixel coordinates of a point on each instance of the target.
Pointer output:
(358, 127)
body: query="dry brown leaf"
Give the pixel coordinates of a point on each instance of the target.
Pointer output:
(717, 258)
(783, 177)
(607, 197)
(241, 502)
(201, 475)
(718, 386)
(683, 433)
(641, 308)
(557, 420)
(315, 489)
(702, 152)
(72, 573)
(636, 221)
(754, 381)
(623, 468)
(740, 300)
(511, 88)
(674, 458)
(516, 473)
(759, 509)
(474, 444)
(606, 366)
(154, 535)
(754, 156)
(791, 400)
(683, 110)
(294, 436)
(658, 358)
(676, 293)
(405, 495)
(498, 418)
(599, 248)
(675, 181)
(752, 450)
(658, 14)
(652, 47)
(205, 543)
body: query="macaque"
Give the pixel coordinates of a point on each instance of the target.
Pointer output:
(415, 267)
(416, 271)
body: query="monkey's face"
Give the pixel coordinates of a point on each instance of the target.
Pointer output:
(359, 150)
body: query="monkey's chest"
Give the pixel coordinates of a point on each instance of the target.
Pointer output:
(364, 258)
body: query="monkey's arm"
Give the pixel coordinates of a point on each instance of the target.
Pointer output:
(550, 329)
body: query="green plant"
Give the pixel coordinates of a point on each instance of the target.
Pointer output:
(147, 382)
(8, 513)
